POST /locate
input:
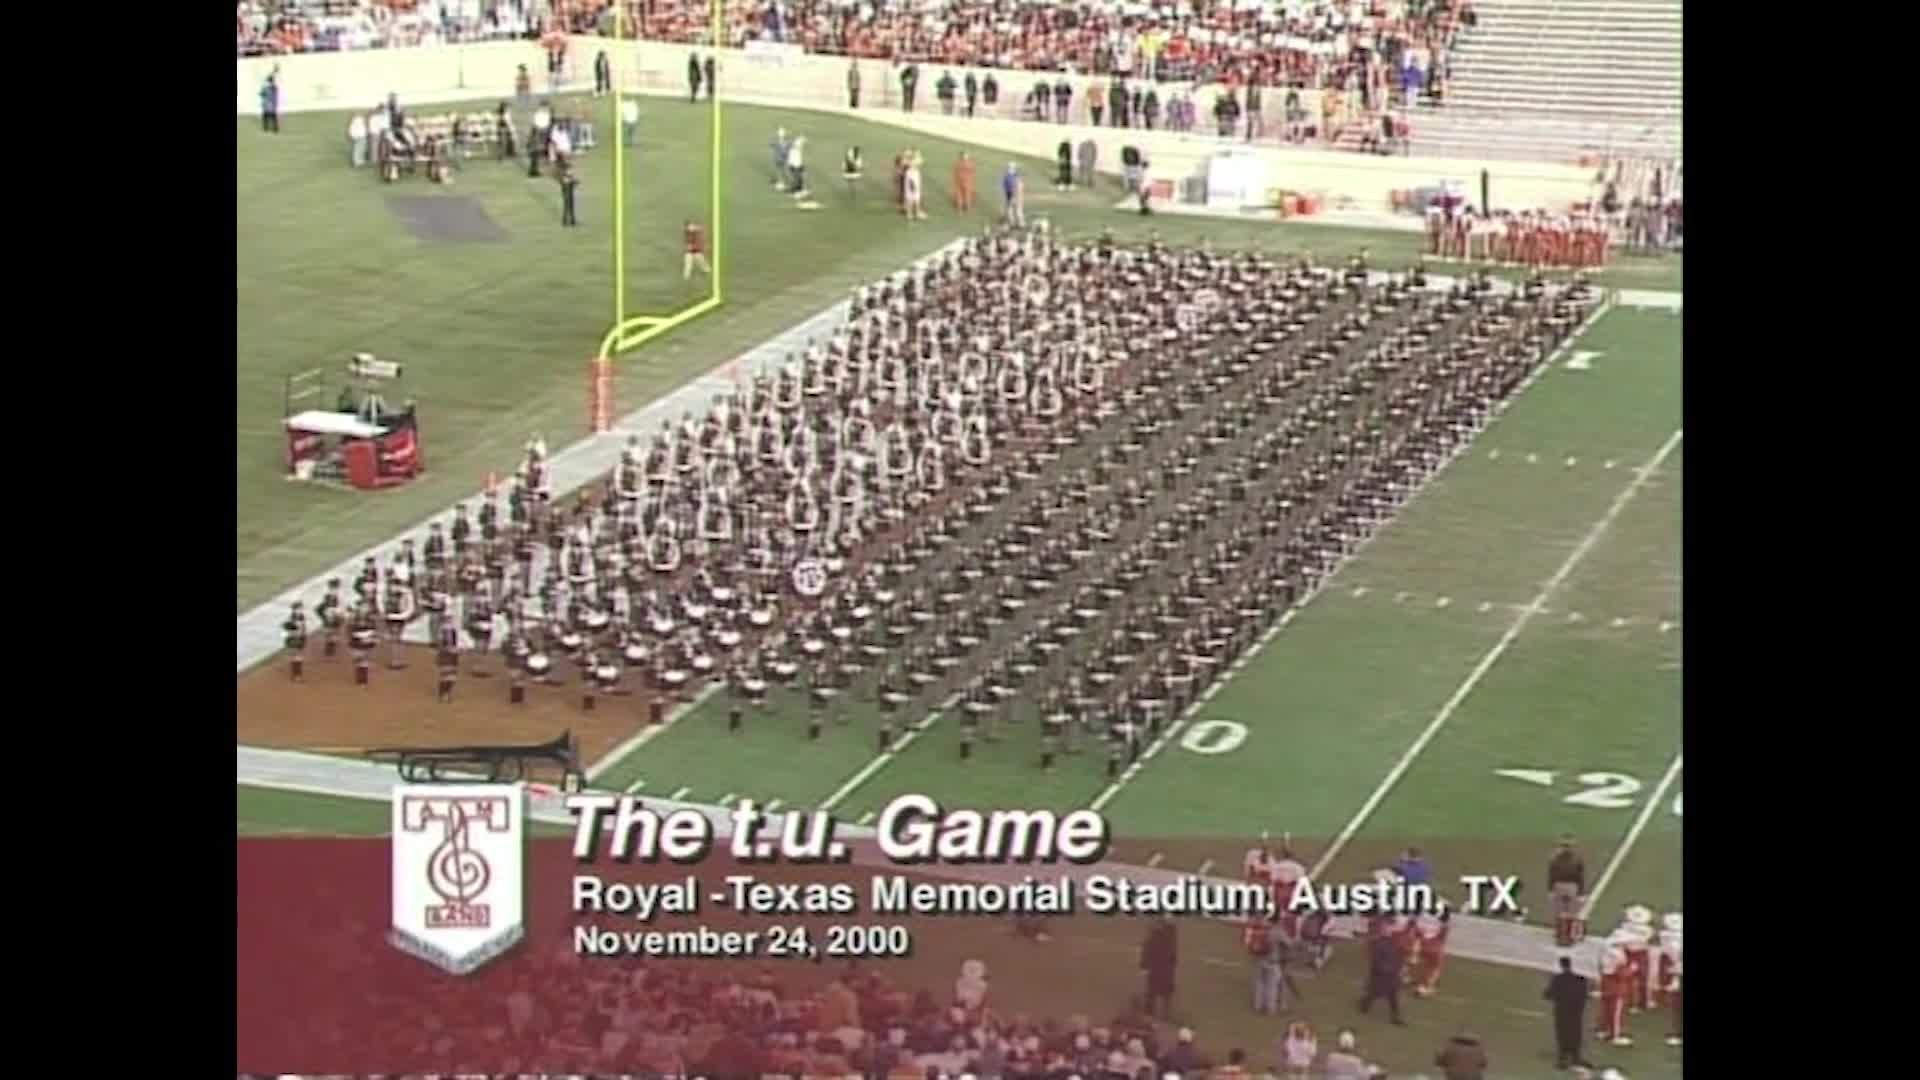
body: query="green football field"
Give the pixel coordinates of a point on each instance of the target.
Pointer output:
(495, 336)
(1499, 667)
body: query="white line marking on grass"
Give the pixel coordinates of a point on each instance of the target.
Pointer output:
(864, 818)
(1654, 802)
(1572, 461)
(1492, 657)
(636, 786)
(727, 800)
(1533, 459)
(1205, 866)
(1486, 605)
(1608, 465)
(772, 806)
(680, 794)
(1155, 860)
(1286, 619)
(1442, 602)
(899, 747)
(650, 732)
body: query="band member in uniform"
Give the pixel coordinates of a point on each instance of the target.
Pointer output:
(447, 658)
(1566, 884)
(333, 618)
(362, 634)
(397, 606)
(294, 632)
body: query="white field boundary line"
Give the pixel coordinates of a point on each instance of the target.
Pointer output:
(1166, 738)
(1493, 655)
(257, 633)
(1654, 802)
(1486, 940)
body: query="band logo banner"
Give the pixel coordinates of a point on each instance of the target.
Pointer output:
(459, 872)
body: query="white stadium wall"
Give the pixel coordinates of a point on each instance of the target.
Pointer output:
(782, 75)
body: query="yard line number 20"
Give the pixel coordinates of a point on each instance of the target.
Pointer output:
(1610, 791)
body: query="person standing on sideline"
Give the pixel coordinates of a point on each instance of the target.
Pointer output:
(629, 121)
(569, 186)
(693, 78)
(537, 139)
(777, 151)
(1013, 189)
(1159, 954)
(797, 165)
(1413, 868)
(1063, 166)
(696, 252)
(853, 168)
(1566, 884)
(1568, 992)
(1089, 157)
(270, 103)
(853, 84)
(1384, 965)
(909, 82)
(357, 140)
(963, 183)
(1264, 946)
(713, 84)
(602, 74)
(972, 88)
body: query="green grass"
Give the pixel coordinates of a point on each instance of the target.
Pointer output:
(495, 336)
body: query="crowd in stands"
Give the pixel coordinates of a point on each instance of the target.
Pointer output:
(278, 27)
(681, 1019)
(1380, 49)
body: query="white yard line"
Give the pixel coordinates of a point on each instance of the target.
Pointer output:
(1500, 647)
(1173, 730)
(649, 733)
(880, 762)
(1654, 802)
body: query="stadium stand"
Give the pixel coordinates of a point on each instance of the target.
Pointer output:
(1563, 80)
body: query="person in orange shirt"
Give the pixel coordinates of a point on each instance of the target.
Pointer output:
(963, 183)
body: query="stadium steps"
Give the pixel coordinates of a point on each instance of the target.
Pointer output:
(1456, 132)
(1579, 60)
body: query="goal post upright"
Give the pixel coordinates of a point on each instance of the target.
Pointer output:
(629, 332)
